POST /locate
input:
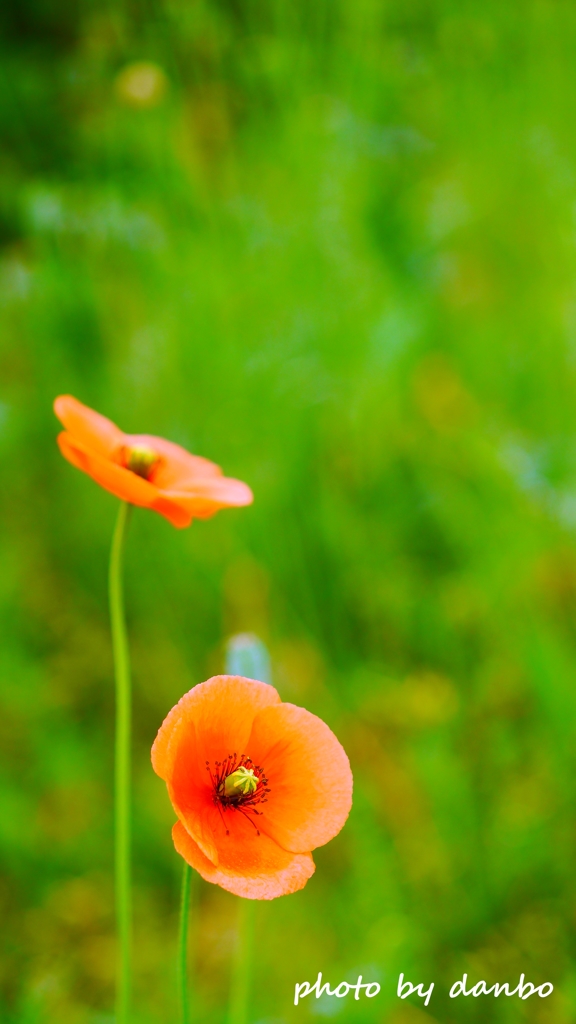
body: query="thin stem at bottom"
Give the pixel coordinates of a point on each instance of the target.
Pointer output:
(121, 770)
(242, 964)
(183, 945)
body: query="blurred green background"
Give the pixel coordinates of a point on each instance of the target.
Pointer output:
(332, 247)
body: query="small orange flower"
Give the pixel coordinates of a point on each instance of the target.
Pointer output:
(256, 784)
(145, 470)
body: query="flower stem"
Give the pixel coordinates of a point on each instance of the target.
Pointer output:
(242, 964)
(121, 770)
(183, 945)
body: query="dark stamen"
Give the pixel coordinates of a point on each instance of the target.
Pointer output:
(248, 788)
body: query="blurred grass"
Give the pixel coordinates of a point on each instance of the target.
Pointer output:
(332, 248)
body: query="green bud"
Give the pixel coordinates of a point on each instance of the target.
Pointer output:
(242, 782)
(141, 460)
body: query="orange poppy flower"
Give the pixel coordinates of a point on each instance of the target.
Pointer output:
(145, 470)
(256, 784)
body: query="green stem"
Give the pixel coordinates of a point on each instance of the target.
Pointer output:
(242, 964)
(183, 944)
(121, 770)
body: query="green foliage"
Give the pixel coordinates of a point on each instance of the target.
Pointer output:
(332, 248)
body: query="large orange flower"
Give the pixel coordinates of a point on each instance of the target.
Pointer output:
(256, 784)
(145, 470)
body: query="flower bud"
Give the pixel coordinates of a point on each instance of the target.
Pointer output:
(242, 782)
(141, 460)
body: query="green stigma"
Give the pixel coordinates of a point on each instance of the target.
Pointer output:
(242, 782)
(141, 460)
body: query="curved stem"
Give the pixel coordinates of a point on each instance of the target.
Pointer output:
(242, 964)
(183, 944)
(121, 770)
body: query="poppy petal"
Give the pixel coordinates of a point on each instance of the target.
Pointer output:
(87, 426)
(211, 721)
(114, 478)
(172, 511)
(308, 775)
(222, 710)
(191, 790)
(290, 874)
(204, 497)
(177, 468)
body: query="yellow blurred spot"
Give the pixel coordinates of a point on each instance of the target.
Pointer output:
(429, 699)
(555, 581)
(246, 591)
(527, 800)
(399, 796)
(206, 127)
(65, 812)
(530, 937)
(98, 958)
(465, 280)
(464, 604)
(423, 700)
(298, 668)
(79, 903)
(142, 84)
(211, 117)
(440, 394)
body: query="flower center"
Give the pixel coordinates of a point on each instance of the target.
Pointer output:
(238, 785)
(141, 460)
(242, 782)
